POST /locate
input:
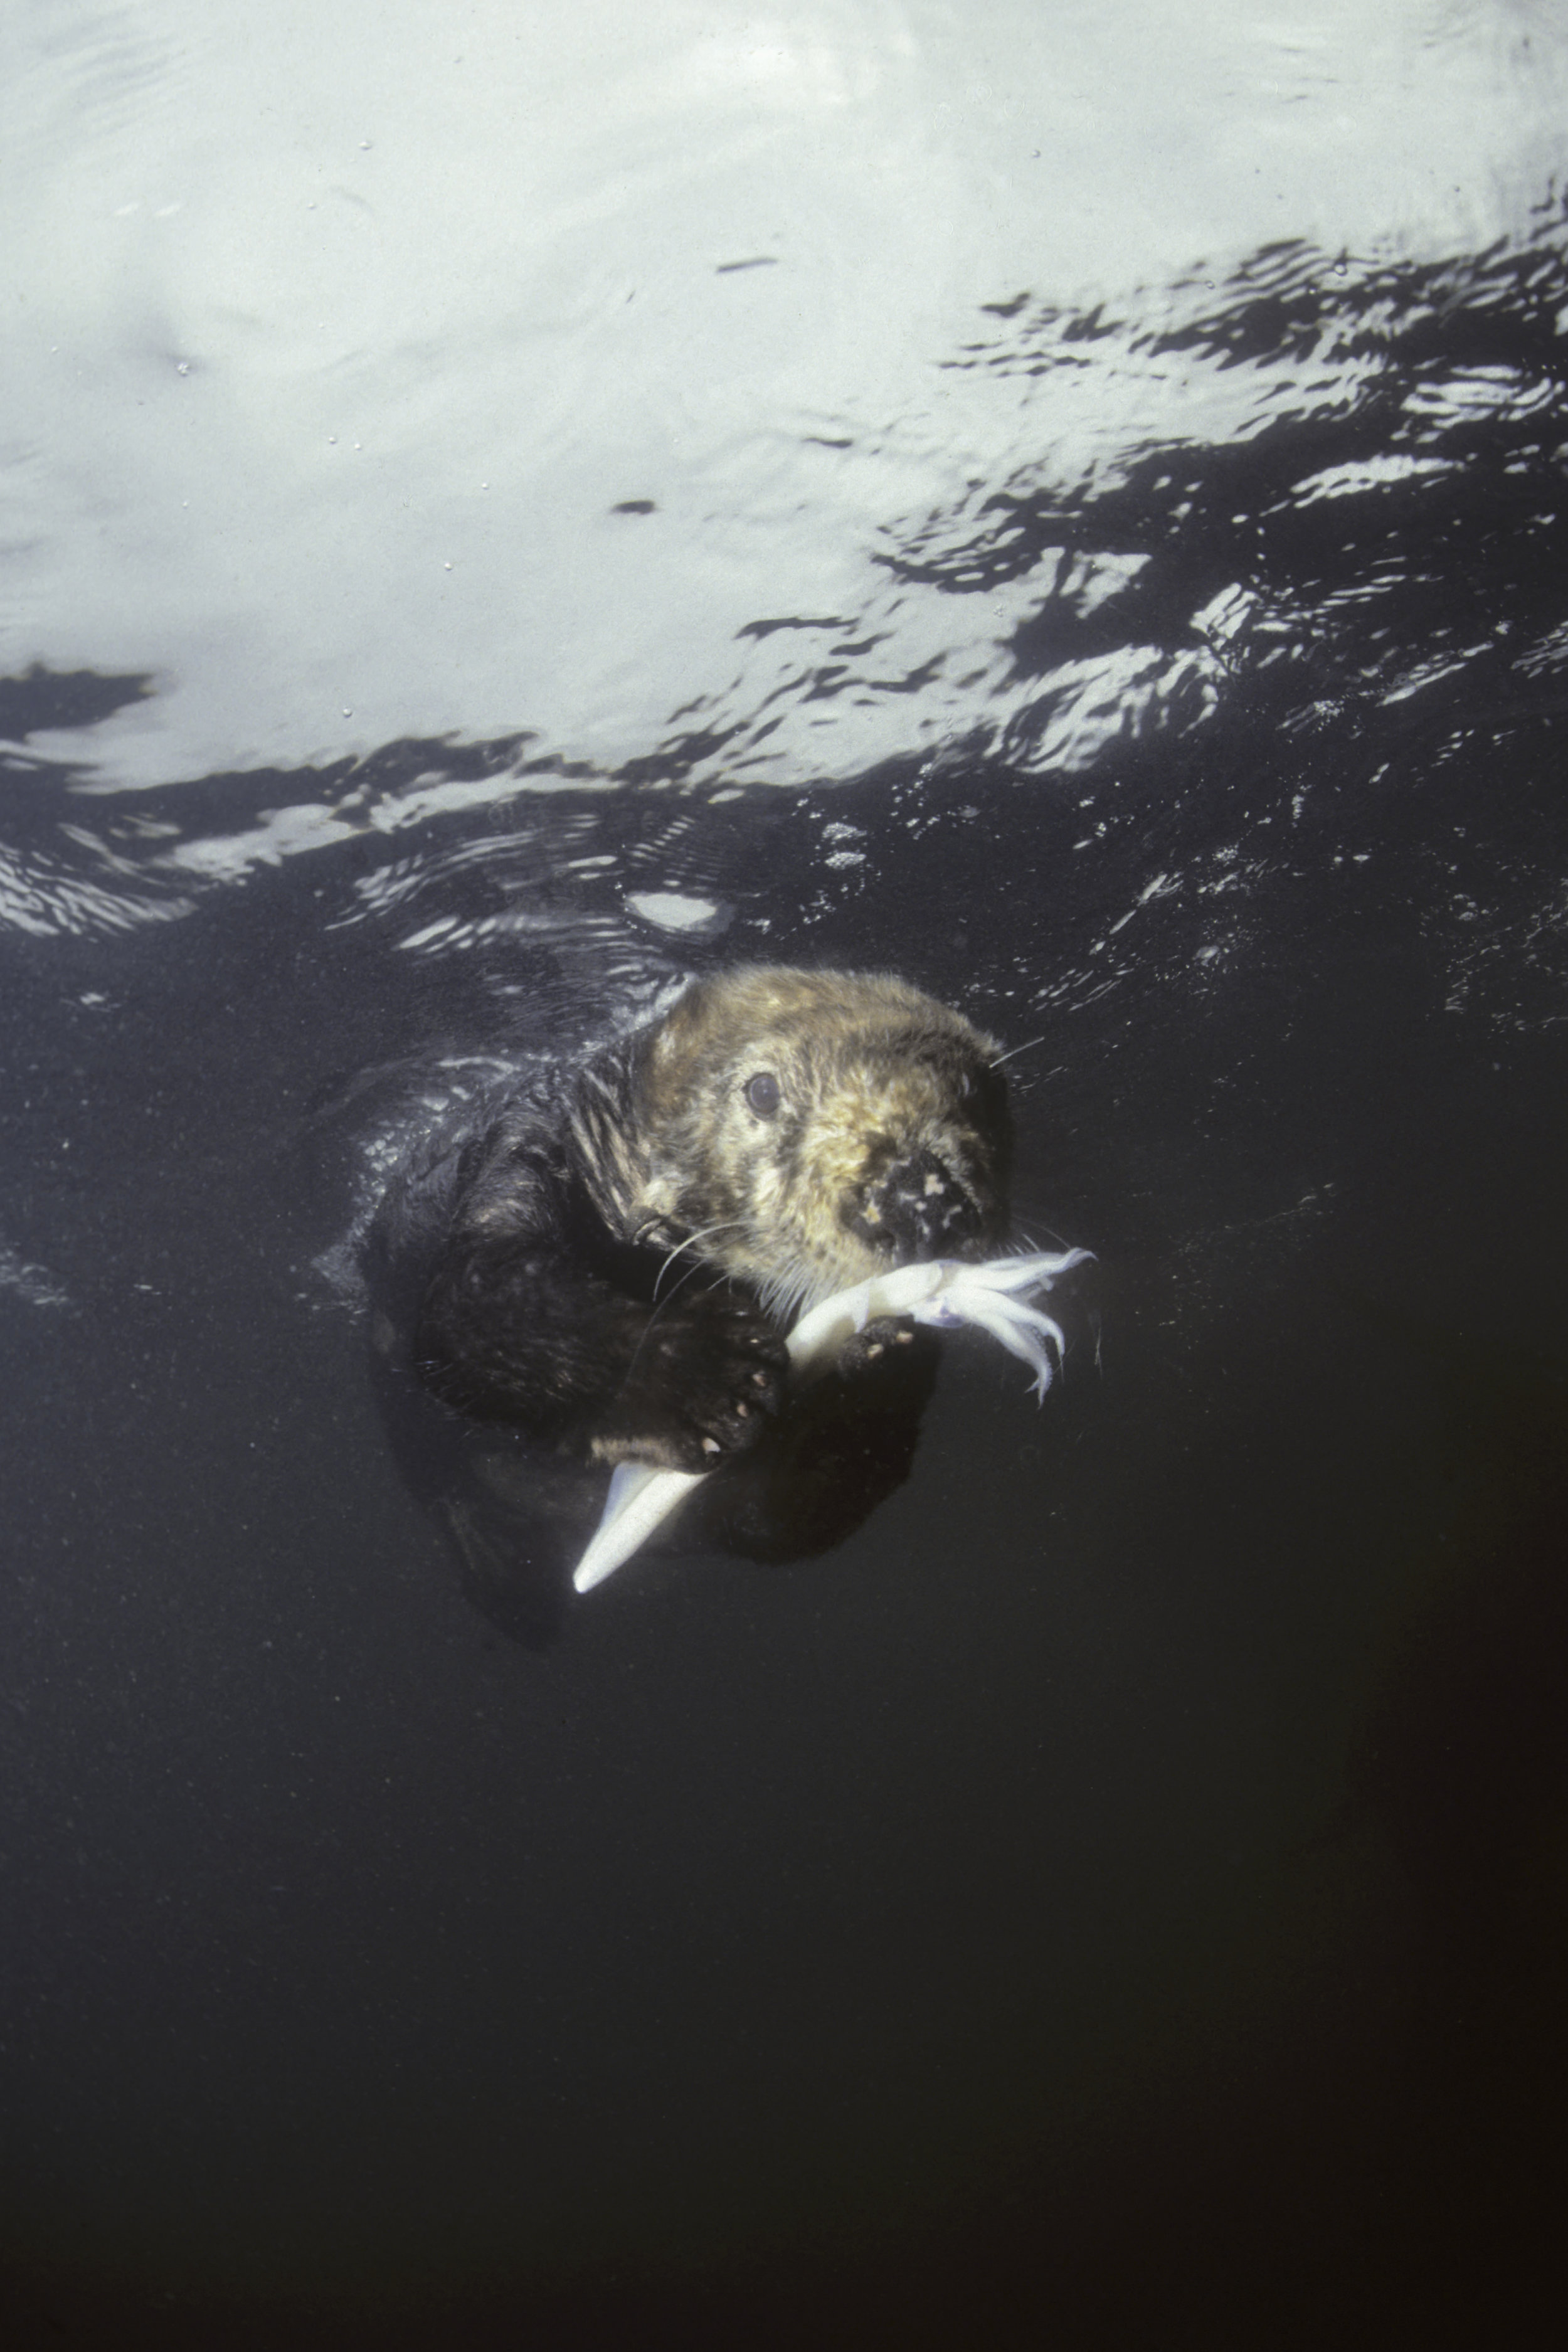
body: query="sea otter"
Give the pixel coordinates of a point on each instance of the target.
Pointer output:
(605, 1258)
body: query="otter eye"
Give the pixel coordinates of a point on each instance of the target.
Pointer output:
(763, 1094)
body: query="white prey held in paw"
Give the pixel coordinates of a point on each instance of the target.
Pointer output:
(944, 1292)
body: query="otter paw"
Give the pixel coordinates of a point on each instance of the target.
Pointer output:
(701, 1388)
(883, 1336)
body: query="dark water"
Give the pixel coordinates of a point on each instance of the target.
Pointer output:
(1119, 1899)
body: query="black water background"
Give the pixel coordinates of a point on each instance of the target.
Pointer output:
(1124, 1890)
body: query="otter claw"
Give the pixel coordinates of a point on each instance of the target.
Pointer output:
(869, 1345)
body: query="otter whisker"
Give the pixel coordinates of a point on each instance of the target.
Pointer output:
(786, 1296)
(725, 1226)
(1029, 1232)
(1027, 1048)
(696, 1267)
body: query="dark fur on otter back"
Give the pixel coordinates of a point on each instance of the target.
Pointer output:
(607, 1257)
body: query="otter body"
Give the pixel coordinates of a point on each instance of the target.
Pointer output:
(778, 1136)
(604, 1262)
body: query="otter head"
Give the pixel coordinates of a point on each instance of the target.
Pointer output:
(809, 1129)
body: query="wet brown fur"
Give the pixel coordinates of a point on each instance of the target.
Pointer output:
(870, 1072)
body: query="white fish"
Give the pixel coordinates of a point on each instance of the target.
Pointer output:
(944, 1292)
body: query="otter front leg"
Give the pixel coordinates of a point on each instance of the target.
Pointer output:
(514, 1330)
(704, 1380)
(883, 1336)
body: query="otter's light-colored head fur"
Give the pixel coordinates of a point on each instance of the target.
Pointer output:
(809, 1129)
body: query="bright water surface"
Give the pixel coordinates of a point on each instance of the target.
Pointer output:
(504, 506)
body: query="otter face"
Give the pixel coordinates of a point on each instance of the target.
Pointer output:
(811, 1130)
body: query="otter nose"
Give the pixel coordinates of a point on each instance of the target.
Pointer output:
(919, 1205)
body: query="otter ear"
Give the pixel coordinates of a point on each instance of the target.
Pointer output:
(672, 1031)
